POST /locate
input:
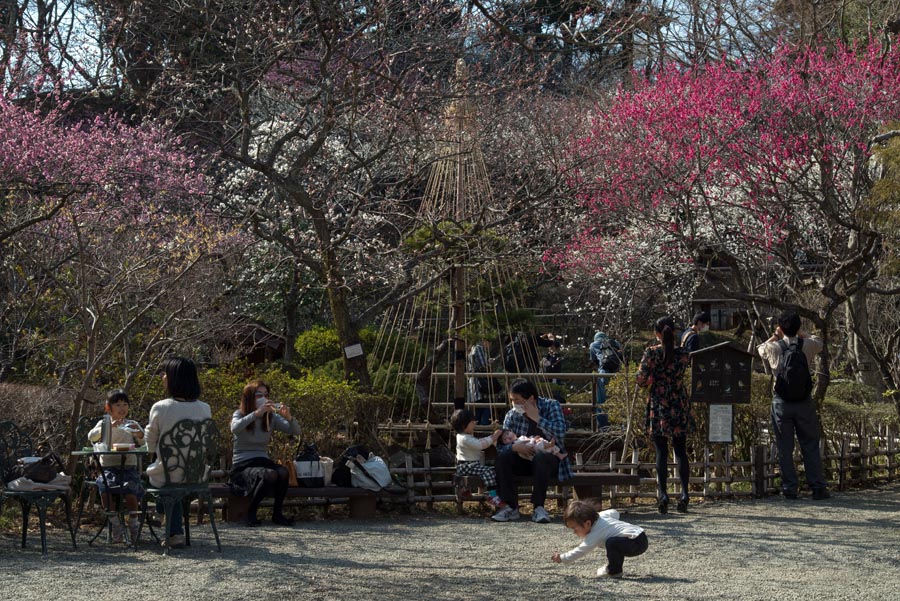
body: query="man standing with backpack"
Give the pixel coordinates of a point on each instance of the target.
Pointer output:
(791, 353)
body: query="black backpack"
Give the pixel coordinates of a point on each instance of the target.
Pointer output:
(793, 382)
(340, 475)
(610, 357)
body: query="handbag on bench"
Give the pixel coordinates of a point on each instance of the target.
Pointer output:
(309, 468)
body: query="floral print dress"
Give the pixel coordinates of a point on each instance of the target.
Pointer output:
(669, 406)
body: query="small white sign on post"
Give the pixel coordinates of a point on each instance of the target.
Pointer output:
(721, 423)
(354, 350)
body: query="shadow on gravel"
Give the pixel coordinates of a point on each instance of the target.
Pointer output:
(651, 579)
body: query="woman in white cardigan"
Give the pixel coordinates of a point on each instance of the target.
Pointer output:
(183, 389)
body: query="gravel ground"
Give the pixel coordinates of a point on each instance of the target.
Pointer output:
(843, 548)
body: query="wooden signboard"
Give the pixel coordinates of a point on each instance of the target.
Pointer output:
(721, 374)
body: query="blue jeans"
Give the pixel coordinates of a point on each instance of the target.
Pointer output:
(483, 415)
(602, 418)
(177, 519)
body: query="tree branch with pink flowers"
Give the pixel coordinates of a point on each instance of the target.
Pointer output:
(751, 180)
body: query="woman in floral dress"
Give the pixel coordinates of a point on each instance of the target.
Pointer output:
(668, 408)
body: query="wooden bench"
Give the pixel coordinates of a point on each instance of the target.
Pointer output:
(360, 500)
(587, 485)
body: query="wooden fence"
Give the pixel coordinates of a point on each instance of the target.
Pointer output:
(850, 461)
(853, 461)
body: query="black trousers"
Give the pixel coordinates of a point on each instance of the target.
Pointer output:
(259, 478)
(798, 418)
(679, 444)
(544, 468)
(620, 547)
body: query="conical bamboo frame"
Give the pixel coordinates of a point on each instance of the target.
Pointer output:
(457, 197)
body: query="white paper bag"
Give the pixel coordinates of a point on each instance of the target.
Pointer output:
(327, 468)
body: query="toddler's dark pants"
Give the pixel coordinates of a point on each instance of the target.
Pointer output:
(620, 547)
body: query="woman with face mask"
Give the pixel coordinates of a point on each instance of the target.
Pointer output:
(253, 472)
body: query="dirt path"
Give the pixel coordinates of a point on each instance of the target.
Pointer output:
(844, 548)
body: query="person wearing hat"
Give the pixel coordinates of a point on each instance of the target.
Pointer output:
(690, 338)
(605, 354)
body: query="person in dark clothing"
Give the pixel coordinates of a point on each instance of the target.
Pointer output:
(668, 408)
(530, 415)
(521, 354)
(690, 338)
(795, 416)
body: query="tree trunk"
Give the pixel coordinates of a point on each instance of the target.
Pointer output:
(355, 367)
(863, 362)
(291, 319)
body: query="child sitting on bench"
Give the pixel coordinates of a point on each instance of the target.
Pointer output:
(470, 452)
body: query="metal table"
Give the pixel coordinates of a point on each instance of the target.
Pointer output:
(119, 511)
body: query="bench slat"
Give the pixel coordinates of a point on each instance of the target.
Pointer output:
(360, 500)
(587, 485)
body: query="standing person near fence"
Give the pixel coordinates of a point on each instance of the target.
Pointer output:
(790, 353)
(606, 356)
(481, 390)
(183, 389)
(253, 473)
(668, 408)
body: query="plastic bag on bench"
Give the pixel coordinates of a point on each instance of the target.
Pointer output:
(310, 471)
(371, 474)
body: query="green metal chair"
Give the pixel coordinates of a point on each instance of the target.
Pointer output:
(14, 443)
(88, 488)
(187, 450)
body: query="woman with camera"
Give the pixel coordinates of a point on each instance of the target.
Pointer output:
(253, 473)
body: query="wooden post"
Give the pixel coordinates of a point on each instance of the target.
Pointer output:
(410, 481)
(718, 470)
(826, 463)
(856, 472)
(891, 466)
(457, 320)
(612, 468)
(429, 490)
(863, 457)
(842, 463)
(758, 470)
(728, 472)
(706, 474)
(635, 471)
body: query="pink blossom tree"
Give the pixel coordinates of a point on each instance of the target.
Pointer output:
(751, 180)
(102, 230)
